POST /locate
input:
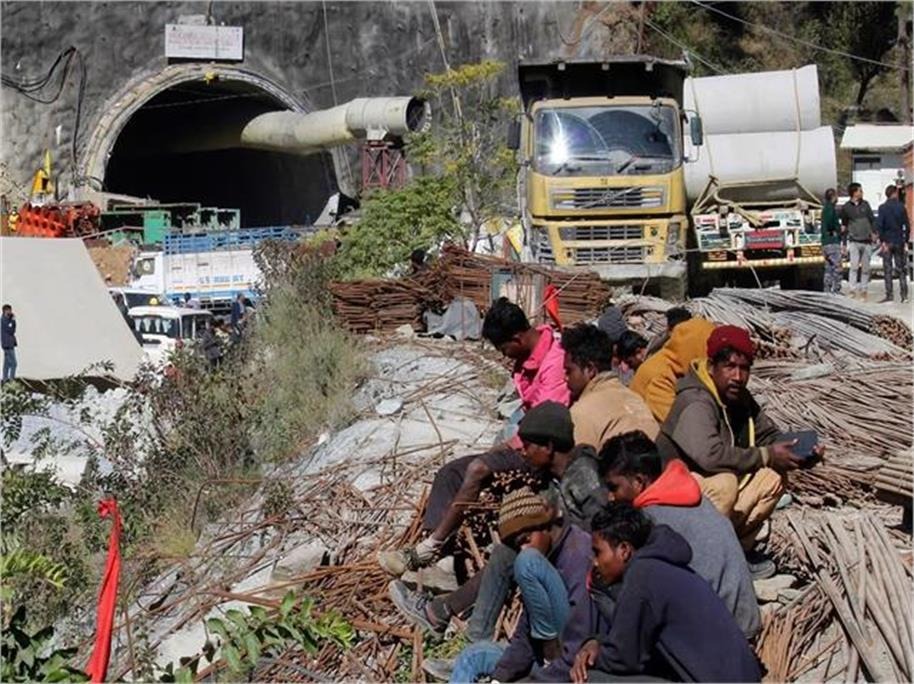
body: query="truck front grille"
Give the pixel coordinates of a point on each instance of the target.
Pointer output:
(634, 197)
(542, 247)
(608, 255)
(627, 232)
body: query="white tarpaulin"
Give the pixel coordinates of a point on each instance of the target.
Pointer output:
(65, 319)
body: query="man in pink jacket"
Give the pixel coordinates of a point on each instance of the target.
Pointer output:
(539, 376)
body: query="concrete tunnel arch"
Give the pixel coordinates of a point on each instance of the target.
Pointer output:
(170, 135)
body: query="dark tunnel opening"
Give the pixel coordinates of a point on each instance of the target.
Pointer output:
(182, 146)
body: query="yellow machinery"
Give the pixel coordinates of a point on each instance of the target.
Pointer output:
(601, 156)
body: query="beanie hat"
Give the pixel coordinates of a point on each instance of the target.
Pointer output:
(522, 510)
(548, 422)
(731, 336)
(612, 323)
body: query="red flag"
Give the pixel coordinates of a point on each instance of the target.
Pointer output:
(551, 304)
(97, 668)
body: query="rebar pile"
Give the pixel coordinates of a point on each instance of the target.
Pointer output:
(861, 409)
(861, 586)
(383, 305)
(460, 273)
(378, 305)
(835, 307)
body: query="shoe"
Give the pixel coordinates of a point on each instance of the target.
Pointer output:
(886, 300)
(414, 607)
(439, 668)
(433, 578)
(760, 567)
(398, 561)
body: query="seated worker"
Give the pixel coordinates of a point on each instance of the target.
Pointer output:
(547, 434)
(674, 316)
(655, 380)
(539, 376)
(631, 350)
(666, 621)
(601, 405)
(553, 559)
(634, 474)
(729, 443)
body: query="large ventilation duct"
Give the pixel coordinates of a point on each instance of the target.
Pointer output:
(362, 118)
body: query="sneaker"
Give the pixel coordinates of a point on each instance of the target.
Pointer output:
(414, 607)
(760, 567)
(439, 668)
(433, 578)
(398, 561)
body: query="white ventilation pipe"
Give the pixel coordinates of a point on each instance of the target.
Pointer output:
(371, 118)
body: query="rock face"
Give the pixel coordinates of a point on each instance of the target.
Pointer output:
(316, 54)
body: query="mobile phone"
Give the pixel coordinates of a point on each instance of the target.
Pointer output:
(806, 441)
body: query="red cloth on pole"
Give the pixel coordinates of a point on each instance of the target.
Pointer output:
(551, 303)
(97, 668)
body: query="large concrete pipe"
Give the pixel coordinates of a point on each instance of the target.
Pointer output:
(362, 118)
(756, 103)
(808, 156)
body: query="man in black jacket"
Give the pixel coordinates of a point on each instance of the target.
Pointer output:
(894, 233)
(8, 332)
(859, 229)
(667, 624)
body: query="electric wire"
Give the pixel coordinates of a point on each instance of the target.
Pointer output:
(682, 46)
(800, 41)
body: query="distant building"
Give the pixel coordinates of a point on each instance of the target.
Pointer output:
(881, 156)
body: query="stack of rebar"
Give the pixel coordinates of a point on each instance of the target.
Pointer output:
(855, 621)
(378, 305)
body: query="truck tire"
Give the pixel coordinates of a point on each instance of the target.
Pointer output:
(674, 289)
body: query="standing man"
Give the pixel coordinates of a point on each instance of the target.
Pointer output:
(237, 317)
(831, 243)
(859, 227)
(894, 233)
(8, 331)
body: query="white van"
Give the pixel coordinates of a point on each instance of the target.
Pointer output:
(166, 328)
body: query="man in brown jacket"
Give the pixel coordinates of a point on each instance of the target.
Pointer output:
(601, 406)
(732, 447)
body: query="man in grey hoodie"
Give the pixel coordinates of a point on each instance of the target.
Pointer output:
(859, 230)
(632, 470)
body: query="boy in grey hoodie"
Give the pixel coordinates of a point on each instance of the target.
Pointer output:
(631, 468)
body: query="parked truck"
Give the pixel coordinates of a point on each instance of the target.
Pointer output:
(213, 268)
(621, 173)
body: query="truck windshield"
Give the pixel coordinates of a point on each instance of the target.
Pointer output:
(607, 140)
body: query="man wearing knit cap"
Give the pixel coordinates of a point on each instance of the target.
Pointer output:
(547, 434)
(551, 569)
(732, 447)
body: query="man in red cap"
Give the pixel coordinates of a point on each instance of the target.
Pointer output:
(732, 447)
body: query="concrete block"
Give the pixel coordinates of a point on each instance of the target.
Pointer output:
(300, 560)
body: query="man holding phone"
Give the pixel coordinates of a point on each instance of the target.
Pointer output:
(735, 451)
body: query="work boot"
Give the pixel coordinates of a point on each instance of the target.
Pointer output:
(760, 566)
(418, 608)
(434, 578)
(439, 668)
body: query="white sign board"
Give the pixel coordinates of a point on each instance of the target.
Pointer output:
(204, 42)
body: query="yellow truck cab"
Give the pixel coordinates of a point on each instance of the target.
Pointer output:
(601, 158)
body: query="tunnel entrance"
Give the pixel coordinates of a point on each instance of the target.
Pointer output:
(183, 146)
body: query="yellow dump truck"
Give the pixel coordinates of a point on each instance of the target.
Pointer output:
(601, 153)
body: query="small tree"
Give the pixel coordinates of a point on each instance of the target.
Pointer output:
(467, 144)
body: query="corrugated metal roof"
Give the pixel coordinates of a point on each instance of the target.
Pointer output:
(877, 137)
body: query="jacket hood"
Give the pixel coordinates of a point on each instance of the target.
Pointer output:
(674, 487)
(666, 545)
(689, 341)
